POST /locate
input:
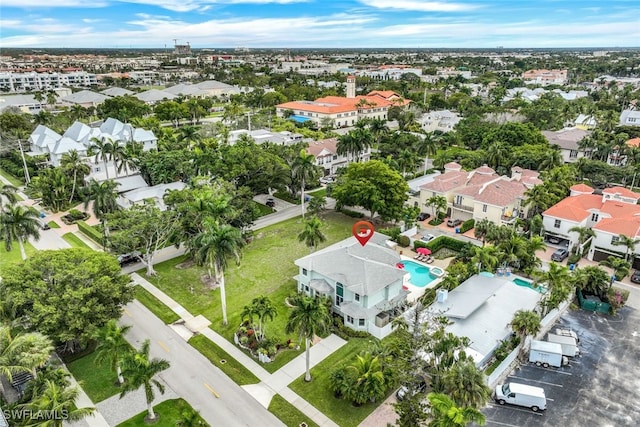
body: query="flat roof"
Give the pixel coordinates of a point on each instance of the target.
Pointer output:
(469, 296)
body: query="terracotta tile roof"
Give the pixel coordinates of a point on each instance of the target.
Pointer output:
(634, 142)
(446, 182)
(479, 178)
(581, 188)
(625, 219)
(501, 193)
(335, 104)
(453, 165)
(575, 208)
(384, 93)
(317, 147)
(624, 192)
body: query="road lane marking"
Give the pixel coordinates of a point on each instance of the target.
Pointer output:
(552, 370)
(164, 347)
(527, 411)
(501, 424)
(536, 381)
(212, 390)
(127, 312)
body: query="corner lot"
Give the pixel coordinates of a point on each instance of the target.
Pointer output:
(598, 388)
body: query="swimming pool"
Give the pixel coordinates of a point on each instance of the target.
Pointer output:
(420, 275)
(526, 283)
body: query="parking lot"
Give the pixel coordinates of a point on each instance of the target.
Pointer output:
(601, 387)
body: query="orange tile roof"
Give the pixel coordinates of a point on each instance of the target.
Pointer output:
(501, 193)
(582, 188)
(625, 219)
(335, 104)
(624, 192)
(446, 182)
(575, 208)
(634, 142)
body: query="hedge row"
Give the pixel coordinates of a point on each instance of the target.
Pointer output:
(440, 242)
(352, 214)
(467, 225)
(90, 232)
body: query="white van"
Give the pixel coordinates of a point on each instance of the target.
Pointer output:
(521, 395)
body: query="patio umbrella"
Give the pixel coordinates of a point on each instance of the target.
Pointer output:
(424, 251)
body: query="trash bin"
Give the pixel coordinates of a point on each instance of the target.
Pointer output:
(457, 230)
(572, 267)
(42, 215)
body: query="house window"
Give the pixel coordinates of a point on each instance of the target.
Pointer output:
(614, 240)
(484, 208)
(458, 200)
(339, 294)
(304, 271)
(306, 288)
(594, 217)
(357, 297)
(573, 154)
(360, 322)
(350, 319)
(556, 223)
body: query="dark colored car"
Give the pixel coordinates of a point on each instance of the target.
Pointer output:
(270, 202)
(635, 277)
(130, 258)
(453, 222)
(423, 216)
(559, 255)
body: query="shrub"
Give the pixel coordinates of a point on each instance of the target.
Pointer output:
(283, 195)
(392, 232)
(573, 259)
(90, 232)
(441, 242)
(345, 332)
(404, 241)
(436, 221)
(352, 214)
(467, 225)
(75, 214)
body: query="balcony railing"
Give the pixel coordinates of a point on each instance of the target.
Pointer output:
(463, 207)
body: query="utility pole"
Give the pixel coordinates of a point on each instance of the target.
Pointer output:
(27, 178)
(249, 114)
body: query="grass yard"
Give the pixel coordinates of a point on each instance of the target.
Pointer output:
(16, 182)
(156, 306)
(266, 268)
(53, 224)
(318, 393)
(232, 368)
(321, 192)
(170, 412)
(264, 209)
(97, 381)
(74, 241)
(287, 413)
(13, 256)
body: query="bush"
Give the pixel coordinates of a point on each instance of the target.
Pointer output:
(573, 259)
(467, 225)
(90, 232)
(436, 221)
(404, 241)
(75, 214)
(392, 232)
(345, 332)
(441, 242)
(352, 214)
(283, 195)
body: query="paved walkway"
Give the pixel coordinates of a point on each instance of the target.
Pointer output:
(270, 384)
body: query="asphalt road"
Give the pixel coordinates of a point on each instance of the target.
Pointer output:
(221, 402)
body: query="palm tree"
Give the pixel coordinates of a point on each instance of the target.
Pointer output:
(467, 385)
(482, 228)
(629, 242)
(189, 135)
(139, 370)
(263, 309)
(118, 153)
(8, 193)
(310, 316)
(112, 346)
(584, 234)
(378, 128)
(619, 266)
(213, 247)
(22, 352)
(557, 279)
(103, 149)
(524, 323)
(18, 223)
(552, 158)
(304, 169)
(406, 160)
(312, 233)
(429, 146)
(445, 412)
(438, 204)
(104, 197)
(72, 163)
(60, 400)
(498, 154)
(368, 379)
(485, 257)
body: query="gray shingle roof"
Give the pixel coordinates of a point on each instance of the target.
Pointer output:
(85, 97)
(117, 91)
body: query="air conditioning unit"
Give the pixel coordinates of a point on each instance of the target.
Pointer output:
(441, 295)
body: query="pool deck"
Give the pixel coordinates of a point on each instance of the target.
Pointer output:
(416, 292)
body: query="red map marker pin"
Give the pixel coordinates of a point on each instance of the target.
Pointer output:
(362, 231)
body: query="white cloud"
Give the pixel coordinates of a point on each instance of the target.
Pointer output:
(420, 6)
(203, 5)
(29, 4)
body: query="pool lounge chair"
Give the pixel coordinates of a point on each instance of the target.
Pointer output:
(430, 260)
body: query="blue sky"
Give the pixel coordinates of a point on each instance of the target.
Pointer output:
(320, 23)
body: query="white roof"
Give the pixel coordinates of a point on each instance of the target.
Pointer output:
(549, 347)
(85, 97)
(154, 95)
(526, 389)
(117, 91)
(66, 144)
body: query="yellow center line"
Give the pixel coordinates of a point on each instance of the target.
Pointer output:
(164, 347)
(212, 390)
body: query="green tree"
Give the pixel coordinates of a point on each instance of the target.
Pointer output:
(88, 284)
(213, 248)
(103, 149)
(482, 228)
(304, 169)
(22, 352)
(438, 204)
(368, 379)
(312, 233)
(309, 317)
(18, 224)
(262, 308)
(104, 197)
(445, 412)
(429, 147)
(139, 369)
(558, 282)
(58, 400)
(374, 186)
(467, 385)
(524, 323)
(8, 194)
(112, 346)
(584, 234)
(620, 267)
(485, 257)
(628, 242)
(74, 165)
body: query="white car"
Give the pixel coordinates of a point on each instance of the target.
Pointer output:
(427, 237)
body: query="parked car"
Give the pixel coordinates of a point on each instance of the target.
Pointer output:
(423, 216)
(559, 255)
(270, 202)
(553, 240)
(453, 222)
(427, 237)
(129, 258)
(635, 277)
(43, 224)
(521, 395)
(420, 386)
(327, 179)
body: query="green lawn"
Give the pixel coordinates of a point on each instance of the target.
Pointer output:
(322, 192)
(288, 414)
(53, 224)
(232, 368)
(74, 241)
(13, 256)
(16, 182)
(170, 412)
(318, 393)
(264, 209)
(156, 306)
(97, 381)
(266, 268)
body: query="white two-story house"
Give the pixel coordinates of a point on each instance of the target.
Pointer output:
(610, 214)
(363, 282)
(326, 154)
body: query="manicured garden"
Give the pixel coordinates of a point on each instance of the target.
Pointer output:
(74, 241)
(266, 269)
(170, 412)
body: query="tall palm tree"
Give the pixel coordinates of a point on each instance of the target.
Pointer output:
(584, 234)
(304, 169)
(104, 197)
(18, 223)
(524, 323)
(309, 317)
(23, 352)
(139, 370)
(312, 233)
(213, 248)
(482, 228)
(263, 309)
(619, 266)
(73, 164)
(485, 257)
(112, 346)
(467, 385)
(102, 149)
(628, 242)
(498, 154)
(189, 135)
(8, 193)
(445, 412)
(56, 399)
(378, 128)
(429, 147)
(407, 160)
(117, 155)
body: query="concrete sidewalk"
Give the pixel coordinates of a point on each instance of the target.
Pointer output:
(271, 384)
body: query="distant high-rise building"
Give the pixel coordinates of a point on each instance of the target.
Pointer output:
(351, 86)
(182, 49)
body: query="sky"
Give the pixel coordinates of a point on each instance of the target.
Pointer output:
(320, 23)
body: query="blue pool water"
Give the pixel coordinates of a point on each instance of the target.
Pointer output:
(420, 275)
(526, 283)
